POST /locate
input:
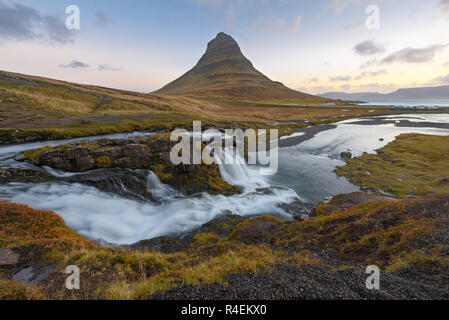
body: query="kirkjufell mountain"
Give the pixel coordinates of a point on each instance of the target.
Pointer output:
(224, 72)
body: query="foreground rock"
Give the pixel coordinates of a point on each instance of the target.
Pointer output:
(307, 282)
(323, 257)
(348, 200)
(221, 226)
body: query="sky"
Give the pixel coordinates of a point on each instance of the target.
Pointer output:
(312, 46)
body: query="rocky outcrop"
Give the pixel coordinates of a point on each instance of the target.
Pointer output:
(221, 226)
(106, 153)
(8, 257)
(10, 174)
(345, 201)
(129, 155)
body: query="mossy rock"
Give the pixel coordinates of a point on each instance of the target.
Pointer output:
(256, 230)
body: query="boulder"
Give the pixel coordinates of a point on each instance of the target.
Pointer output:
(346, 155)
(8, 257)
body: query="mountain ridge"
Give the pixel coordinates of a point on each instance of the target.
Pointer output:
(438, 92)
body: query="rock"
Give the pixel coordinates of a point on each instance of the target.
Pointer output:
(33, 274)
(346, 155)
(346, 201)
(20, 157)
(256, 231)
(131, 184)
(8, 174)
(221, 226)
(8, 257)
(24, 275)
(298, 209)
(138, 153)
(162, 244)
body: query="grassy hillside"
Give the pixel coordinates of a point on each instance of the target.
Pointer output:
(44, 108)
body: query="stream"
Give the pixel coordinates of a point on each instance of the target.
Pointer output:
(306, 174)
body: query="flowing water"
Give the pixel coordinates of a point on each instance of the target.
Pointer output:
(306, 172)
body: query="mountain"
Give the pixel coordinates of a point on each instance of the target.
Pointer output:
(441, 92)
(225, 73)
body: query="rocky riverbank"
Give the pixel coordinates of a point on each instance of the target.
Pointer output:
(110, 164)
(236, 258)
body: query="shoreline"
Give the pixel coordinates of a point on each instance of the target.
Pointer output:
(310, 132)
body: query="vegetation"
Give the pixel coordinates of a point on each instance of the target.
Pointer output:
(414, 164)
(380, 232)
(43, 233)
(10, 290)
(392, 234)
(46, 109)
(395, 235)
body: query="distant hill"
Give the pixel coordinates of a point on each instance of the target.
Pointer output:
(441, 92)
(224, 72)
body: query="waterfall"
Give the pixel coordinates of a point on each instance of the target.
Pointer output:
(239, 173)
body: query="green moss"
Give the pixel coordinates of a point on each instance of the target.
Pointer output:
(159, 170)
(412, 164)
(104, 161)
(205, 238)
(35, 153)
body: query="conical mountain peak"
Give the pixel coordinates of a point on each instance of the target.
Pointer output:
(222, 46)
(224, 72)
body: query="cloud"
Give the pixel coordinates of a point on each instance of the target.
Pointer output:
(371, 74)
(444, 5)
(442, 79)
(369, 63)
(356, 26)
(75, 64)
(446, 64)
(322, 88)
(368, 48)
(280, 24)
(101, 18)
(414, 55)
(341, 5)
(345, 86)
(314, 80)
(23, 23)
(107, 67)
(56, 30)
(340, 78)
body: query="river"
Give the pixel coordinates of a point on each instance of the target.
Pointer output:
(306, 173)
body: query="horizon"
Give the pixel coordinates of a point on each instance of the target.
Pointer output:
(126, 50)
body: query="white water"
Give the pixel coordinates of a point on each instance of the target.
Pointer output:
(305, 169)
(99, 215)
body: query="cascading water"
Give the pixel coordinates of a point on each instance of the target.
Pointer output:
(234, 170)
(306, 168)
(103, 216)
